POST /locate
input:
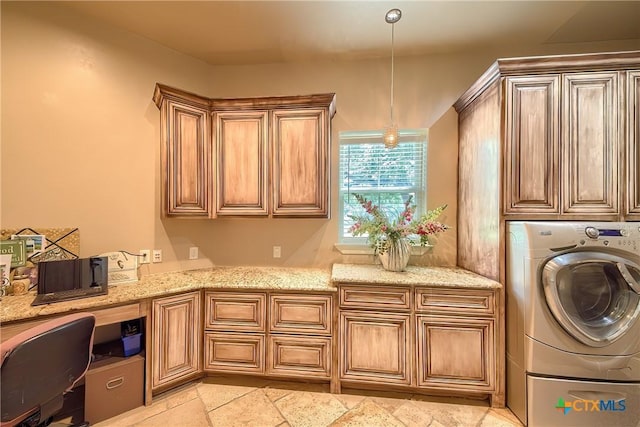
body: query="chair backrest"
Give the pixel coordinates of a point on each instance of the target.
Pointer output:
(39, 365)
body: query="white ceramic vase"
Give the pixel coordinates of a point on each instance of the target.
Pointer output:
(396, 257)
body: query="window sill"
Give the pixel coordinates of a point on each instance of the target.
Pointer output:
(349, 249)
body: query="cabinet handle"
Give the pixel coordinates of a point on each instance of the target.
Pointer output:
(115, 383)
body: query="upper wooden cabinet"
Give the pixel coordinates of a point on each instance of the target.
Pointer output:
(245, 157)
(562, 134)
(632, 202)
(186, 158)
(546, 138)
(562, 144)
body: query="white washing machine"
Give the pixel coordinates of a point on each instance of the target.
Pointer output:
(573, 323)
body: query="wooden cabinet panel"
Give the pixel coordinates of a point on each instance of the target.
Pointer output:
(235, 311)
(590, 143)
(458, 301)
(375, 297)
(230, 352)
(309, 314)
(300, 168)
(242, 168)
(177, 333)
(375, 347)
(272, 154)
(455, 351)
(632, 210)
(186, 152)
(479, 169)
(531, 147)
(299, 356)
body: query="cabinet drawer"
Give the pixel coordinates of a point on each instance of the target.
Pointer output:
(458, 301)
(374, 297)
(301, 314)
(234, 352)
(299, 356)
(229, 311)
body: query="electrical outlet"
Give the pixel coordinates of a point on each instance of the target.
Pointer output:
(145, 256)
(277, 251)
(193, 252)
(157, 255)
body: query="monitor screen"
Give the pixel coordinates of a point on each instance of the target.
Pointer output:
(71, 279)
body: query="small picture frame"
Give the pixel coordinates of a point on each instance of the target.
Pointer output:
(17, 249)
(35, 243)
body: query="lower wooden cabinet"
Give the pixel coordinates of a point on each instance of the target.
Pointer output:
(454, 351)
(430, 339)
(375, 347)
(177, 332)
(288, 336)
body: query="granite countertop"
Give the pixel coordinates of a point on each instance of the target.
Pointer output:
(453, 277)
(14, 308)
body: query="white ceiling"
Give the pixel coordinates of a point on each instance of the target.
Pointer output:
(245, 32)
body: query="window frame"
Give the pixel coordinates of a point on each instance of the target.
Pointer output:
(359, 245)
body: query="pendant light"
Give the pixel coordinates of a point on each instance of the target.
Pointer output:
(391, 133)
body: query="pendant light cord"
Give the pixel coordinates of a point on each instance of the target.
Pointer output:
(392, 37)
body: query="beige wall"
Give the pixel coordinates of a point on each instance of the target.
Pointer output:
(80, 135)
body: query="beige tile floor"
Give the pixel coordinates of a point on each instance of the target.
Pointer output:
(220, 401)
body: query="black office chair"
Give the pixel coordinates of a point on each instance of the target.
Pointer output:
(40, 365)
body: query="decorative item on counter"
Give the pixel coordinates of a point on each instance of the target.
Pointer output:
(391, 238)
(123, 267)
(28, 246)
(20, 284)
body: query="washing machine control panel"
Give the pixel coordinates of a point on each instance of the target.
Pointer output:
(618, 237)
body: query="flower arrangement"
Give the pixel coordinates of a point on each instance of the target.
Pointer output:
(382, 231)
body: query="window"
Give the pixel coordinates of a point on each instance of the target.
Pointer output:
(385, 176)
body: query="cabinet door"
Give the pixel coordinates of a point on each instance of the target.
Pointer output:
(241, 141)
(531, 150)
(455, 352)
(590, 144)
(177, 333)
(186, 153)
(632, 211)
(300, 162)
(375, 347)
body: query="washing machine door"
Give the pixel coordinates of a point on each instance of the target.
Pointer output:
(593, 295)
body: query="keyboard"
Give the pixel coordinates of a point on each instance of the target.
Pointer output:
(69, 294)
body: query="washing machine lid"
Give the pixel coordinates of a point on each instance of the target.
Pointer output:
(593, 295)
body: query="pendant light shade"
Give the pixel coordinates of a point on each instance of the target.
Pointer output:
(391, 132)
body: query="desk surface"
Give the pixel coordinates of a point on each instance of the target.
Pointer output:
(15, 308)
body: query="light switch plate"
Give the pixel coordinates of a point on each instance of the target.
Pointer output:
(193, 252)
